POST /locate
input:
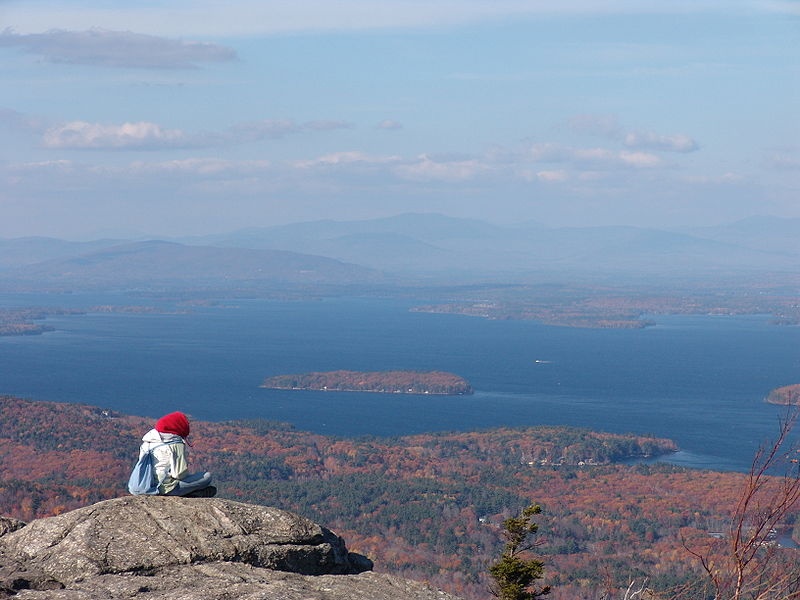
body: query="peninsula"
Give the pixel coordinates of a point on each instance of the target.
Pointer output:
(787, 395)
(383, 382)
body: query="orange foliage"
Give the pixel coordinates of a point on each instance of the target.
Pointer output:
(425, 506)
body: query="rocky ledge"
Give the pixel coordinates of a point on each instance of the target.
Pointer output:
(187, 548)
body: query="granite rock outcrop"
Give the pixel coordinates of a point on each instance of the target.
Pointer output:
(187, 548)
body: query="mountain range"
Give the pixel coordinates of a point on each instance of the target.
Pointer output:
(409, 247)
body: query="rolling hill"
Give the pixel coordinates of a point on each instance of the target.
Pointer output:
(412, 248)
(169, 264)
(435, 245)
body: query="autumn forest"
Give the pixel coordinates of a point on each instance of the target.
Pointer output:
(428, 507)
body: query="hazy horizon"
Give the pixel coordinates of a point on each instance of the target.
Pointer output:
(189, 118)
(122, 234)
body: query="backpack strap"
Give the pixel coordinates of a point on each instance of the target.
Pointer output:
(150, 450)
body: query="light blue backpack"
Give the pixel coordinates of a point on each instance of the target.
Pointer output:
(143, 477)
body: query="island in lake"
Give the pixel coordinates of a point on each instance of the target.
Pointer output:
(383, 382)
(787, 395)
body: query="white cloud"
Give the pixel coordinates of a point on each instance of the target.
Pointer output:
(141, 135)
(598, 158)
(591, 158)
(594, 155)
(389, 124)
(200, 166)
(640, 160)
(100, 47)
(725, 178)
(165, 176)
(323, 125)
(63, 166)
(426, 168)
(667, 143)
(552, 176)
(345, 158)
(608, 126)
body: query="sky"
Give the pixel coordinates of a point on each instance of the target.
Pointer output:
(187, 117)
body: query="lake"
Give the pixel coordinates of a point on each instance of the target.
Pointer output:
(699, 380)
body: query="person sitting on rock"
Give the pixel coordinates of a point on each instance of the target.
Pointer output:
(168, 442)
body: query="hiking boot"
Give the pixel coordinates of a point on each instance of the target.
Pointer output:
(206, 492)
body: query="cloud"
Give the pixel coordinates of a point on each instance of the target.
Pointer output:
(345, 158)
(326, 125)
(430, 169)
(608, 126)
(104, 48)
(666, 143)
(141, 135)
(63, 166)
(204, 167)
(604, 158)
(494, 165)
(590, 158)
(640, 160)
(389, 124)
(134, 177)
(552, 176)
(725, 178)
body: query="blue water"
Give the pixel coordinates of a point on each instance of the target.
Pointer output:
(698, 380)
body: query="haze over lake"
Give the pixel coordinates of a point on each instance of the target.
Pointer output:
(699, 380)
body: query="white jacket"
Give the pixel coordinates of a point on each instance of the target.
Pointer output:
(170, 459)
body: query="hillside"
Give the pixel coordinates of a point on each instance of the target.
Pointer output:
(160, 264)
(31, 250)
(458, 249)
(427, 507)
(413, 249)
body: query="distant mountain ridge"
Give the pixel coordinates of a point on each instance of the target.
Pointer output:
(407, 248)
(431, 244)
(31, 250)
(172, 264)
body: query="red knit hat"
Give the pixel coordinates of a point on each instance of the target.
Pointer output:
(175, 422)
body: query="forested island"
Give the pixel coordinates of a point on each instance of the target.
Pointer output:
(618, 307)
(21, 321)
(383, 382)
(786, 396)
(27, 320)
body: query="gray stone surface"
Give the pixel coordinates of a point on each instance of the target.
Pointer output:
(189, 548)
(237, 581)
(7, 525)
